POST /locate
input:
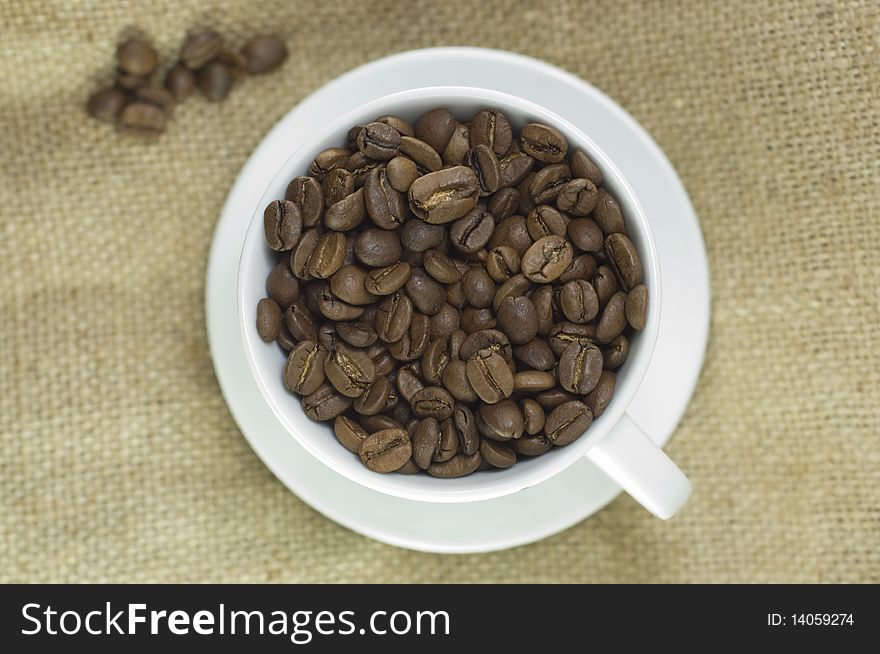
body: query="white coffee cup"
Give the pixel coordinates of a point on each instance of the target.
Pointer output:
(614, 442)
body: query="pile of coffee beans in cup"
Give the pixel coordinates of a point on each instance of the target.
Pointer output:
(141, 108)
(452, 296)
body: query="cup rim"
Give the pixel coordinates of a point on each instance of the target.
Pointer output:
(515, 480)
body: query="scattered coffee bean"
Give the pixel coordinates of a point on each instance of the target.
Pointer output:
(106, 103)
(263, 54)
(137, 57)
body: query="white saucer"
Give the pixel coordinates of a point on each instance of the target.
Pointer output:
(582, 489)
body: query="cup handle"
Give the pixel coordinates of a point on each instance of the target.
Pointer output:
(641, 468)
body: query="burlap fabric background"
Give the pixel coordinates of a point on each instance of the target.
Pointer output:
(120, 461)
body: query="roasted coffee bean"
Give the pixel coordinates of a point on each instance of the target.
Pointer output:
(448, 441)
(106, 103)
(302, 253)
(337, 184)
(491, 128)
(516, 286)
(215, 81)
(532, 445)
(400, 411)
(607, 214)
(378, 141)
(268, 319)
(459, 466)
(466, 425)
(282, 223)
(615, 353)
(454, 379)
(441, 267)
(142, 120)
(533, 417)
(426, 294)
(636, 307)
(474, 320)
(502, 263)
(484, 163)
(500, 422)
(397, 123)
(580, 367)
(137, 57)
(583, 166)
(471, 233)
(304, 371)
(281, 285)
(264, 53)
(426, 158)
(533, 381)
(327, 336)
(567, 422)
(199, 48)
(503, 203)
(498, 455)
(443, 196)
(360, 165)
(582, 267)
(517, 318)
(578, 301)
(394, 317)
(300, 322)
(515, 168)
(526, 202)
(374, 398)
(386, 450)
(378, 247)
(536, 355)
(357, 333)
(306, 193)
(578, 197)
(547, 259)
(419, 236)
(564, 333)
(586, 235)
(426, 442)
(435, 128)
(624, 259)
(489, 376)
(401, 172)
(544, 220)
(512, 232)
(478, 287)
(543, 142)
(325, 403)
(445, 321)
(486, 339)
(346, 214)
(328, 160)
(385, 206)
(548, 182)
(432, 402)
(434, 361)
(459, 144)
(605, 283)
(455, 295)
(347, 284)
(600, 397)
(379, 422)
(349, 433)
(612, 322)
(350, 371)
(408, 383)
(415, 341)
(327, 256)
(542, 299)
(388, 280)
